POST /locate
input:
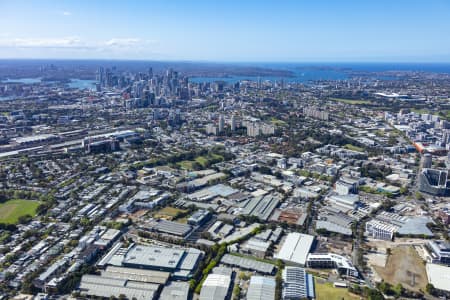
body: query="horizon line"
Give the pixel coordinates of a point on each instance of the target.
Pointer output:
(234, 61)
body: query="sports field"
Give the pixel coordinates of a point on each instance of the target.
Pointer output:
(351, 101)
(12, 210)
(326, 291)
(354, 148)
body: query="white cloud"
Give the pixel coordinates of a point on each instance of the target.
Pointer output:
(76, 47)
(66, 13)
(66, 42)
(74, 42)
(123, 42)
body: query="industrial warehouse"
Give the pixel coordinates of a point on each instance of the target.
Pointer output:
(180, 263)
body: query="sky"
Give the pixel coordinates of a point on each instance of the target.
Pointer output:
(227, 30)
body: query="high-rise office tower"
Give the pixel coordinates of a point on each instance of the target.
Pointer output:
(233, 123)
(221, 123)
(150, 73)
(427, 161)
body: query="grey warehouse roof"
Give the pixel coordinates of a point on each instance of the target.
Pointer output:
(175, 291)
(261, 288)
(247, 263)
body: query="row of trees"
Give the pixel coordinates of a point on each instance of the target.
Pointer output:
(370, 294)
(218, 151)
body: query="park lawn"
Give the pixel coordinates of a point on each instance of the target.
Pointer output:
(186, 164)
(420, 110)
(351, 101)
(216, 156)
(326, 291)
(12, 210)
(353, 148)
(277, 122)
(443, 114)
(203, 161)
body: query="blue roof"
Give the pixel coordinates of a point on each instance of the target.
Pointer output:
(310, 285)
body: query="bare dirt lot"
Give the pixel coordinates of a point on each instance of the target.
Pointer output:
(404, 266)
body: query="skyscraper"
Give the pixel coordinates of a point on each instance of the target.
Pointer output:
(221, 123)
(150, 73)
(233, 123)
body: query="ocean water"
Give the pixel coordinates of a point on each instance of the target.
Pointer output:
(304, 72)
(299, 75)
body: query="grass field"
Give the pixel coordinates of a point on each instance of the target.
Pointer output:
(351, 101)
(353, 148)
(404, 266)
(420, 110)
(186, 164)
(326, 291)
(169, 211)
(445, 113)
(12, 210)
(277, 122)
(203, 161)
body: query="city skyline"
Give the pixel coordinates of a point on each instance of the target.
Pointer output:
(255, 31)
(224, 150)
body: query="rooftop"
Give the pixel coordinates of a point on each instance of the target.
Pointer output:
(439, 276)
(261, 288)
(295, 248)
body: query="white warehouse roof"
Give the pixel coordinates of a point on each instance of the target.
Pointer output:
(439, 276)
(296, 248)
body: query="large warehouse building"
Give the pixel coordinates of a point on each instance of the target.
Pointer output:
(181, 263)
(217, 285)
(296, 248)
(439, 276)
(261, 288)
(104, 287)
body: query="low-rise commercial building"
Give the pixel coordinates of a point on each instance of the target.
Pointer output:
(439, 252)
(261, 288)
(176, 290)
(381, 230)
(217, 285)
(332, 261)
(248, 264)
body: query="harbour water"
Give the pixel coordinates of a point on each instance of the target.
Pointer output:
(74, 82)
(304, 72)
(300, 72)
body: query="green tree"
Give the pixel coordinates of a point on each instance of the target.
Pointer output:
(430, 289)
(236, 292)
(399, 290)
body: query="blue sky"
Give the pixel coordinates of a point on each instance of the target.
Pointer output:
(245, 30)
